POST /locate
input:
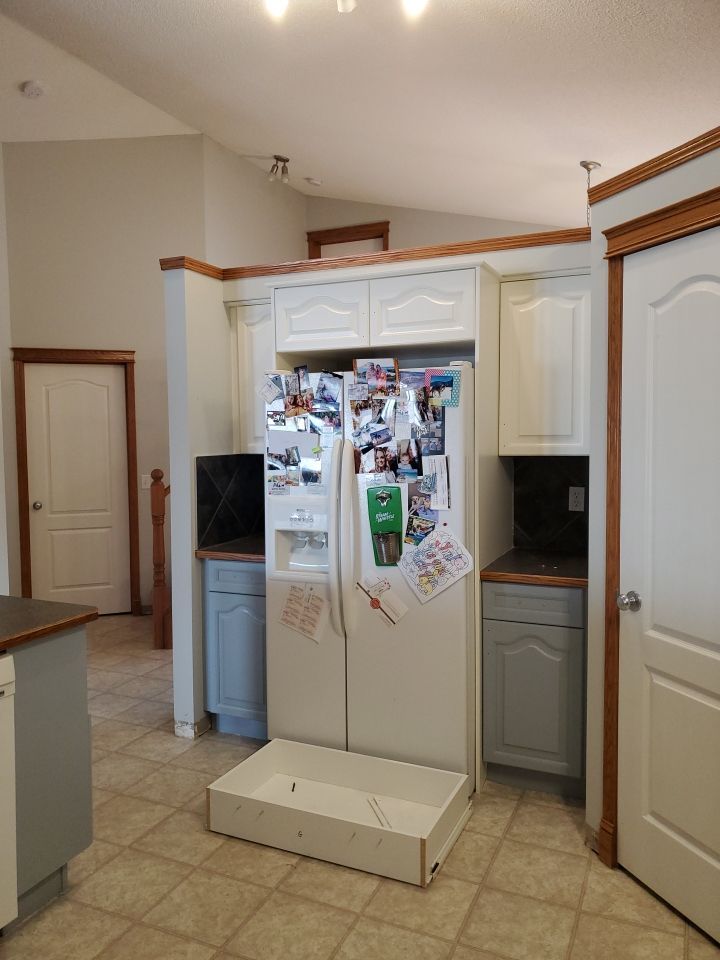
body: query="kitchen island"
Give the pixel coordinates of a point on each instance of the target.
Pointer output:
(52, 741)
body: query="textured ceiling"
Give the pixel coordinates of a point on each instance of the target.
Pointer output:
(482, 107)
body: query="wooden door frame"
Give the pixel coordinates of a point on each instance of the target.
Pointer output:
(669, 223)
(317, 239)
(124, 358)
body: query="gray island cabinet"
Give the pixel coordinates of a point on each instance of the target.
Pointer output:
(52, 741)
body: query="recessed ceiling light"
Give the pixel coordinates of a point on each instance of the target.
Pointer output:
(276, 8)
(346, 6)
(413, 8)
(313, 181)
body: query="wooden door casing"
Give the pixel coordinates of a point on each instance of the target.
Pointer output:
(660, 226)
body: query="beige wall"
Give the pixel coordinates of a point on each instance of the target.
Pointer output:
(412, 228)
(247, 218)
(5, 383)
(87, 223)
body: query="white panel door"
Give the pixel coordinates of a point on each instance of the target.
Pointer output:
(78, 484)
(256, 354)
(322, 316)
(669, 721)
(423, 309)
(545, 367)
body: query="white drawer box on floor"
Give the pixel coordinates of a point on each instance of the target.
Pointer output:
(393, 819)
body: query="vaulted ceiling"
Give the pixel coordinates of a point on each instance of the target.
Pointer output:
(482, 107)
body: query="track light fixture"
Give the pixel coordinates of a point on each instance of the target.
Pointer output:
(276, 171)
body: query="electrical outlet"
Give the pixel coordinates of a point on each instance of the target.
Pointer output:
(146, 482)
(576, 500)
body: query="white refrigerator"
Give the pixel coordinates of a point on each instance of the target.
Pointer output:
(391, 679)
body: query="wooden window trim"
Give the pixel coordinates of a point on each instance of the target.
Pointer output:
(126, 358)
(317, 239)
(678, 220)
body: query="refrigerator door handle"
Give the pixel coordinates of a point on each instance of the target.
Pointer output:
(336, 617)
(348, 519)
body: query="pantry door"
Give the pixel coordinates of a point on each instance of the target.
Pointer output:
(669, 667)
(77, 508)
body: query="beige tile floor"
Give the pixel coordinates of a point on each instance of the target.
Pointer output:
(155, 885)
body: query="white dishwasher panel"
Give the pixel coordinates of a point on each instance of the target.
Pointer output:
(8, 858)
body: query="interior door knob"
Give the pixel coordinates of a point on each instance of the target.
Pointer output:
(37, 505)
(629, 601)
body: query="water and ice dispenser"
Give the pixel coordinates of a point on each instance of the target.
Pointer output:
(301, 542)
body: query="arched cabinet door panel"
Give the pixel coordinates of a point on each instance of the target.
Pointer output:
(532, 696)
(322, 316)
(545, 367)
(425, 308)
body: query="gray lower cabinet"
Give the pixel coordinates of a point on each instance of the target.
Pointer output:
(533, 678)
(235, 646)
(52, 762)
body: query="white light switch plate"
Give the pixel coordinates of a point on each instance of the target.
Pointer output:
(146, 481)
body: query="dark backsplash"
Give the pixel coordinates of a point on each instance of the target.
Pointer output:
(541, 519)
(230, 497)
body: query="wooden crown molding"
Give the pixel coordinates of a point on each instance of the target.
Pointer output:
(652, 168)
(492, 244)
(668, 223)
(42, 355)
(196, 266)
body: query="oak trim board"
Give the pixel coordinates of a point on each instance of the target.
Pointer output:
(492, 244)
(607, 834)
(126, 358)
(41, 355)
(704, 143)
(697, 213)
(190, 263)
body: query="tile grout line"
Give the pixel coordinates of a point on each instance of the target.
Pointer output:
(578, 909)
(490, 865)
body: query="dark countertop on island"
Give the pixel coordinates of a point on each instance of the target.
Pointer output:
(250, 549)
(537, 567)
(22, 620)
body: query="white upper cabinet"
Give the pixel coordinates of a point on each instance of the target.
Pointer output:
(322, 317)
(545, 367)
(425, 308)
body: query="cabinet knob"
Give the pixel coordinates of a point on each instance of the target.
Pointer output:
(631, 601)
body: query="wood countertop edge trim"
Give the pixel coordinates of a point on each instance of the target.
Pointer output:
(710, 140)
(490, 245)
(219, 555)
(25, 636)
(534, 579)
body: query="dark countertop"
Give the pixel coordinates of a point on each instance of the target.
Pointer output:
(536, 566)
(250, 549)
(22, 620)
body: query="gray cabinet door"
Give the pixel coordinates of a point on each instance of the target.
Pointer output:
(532, 690)
(235, 642)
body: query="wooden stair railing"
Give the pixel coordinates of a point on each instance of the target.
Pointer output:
(162, 610)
